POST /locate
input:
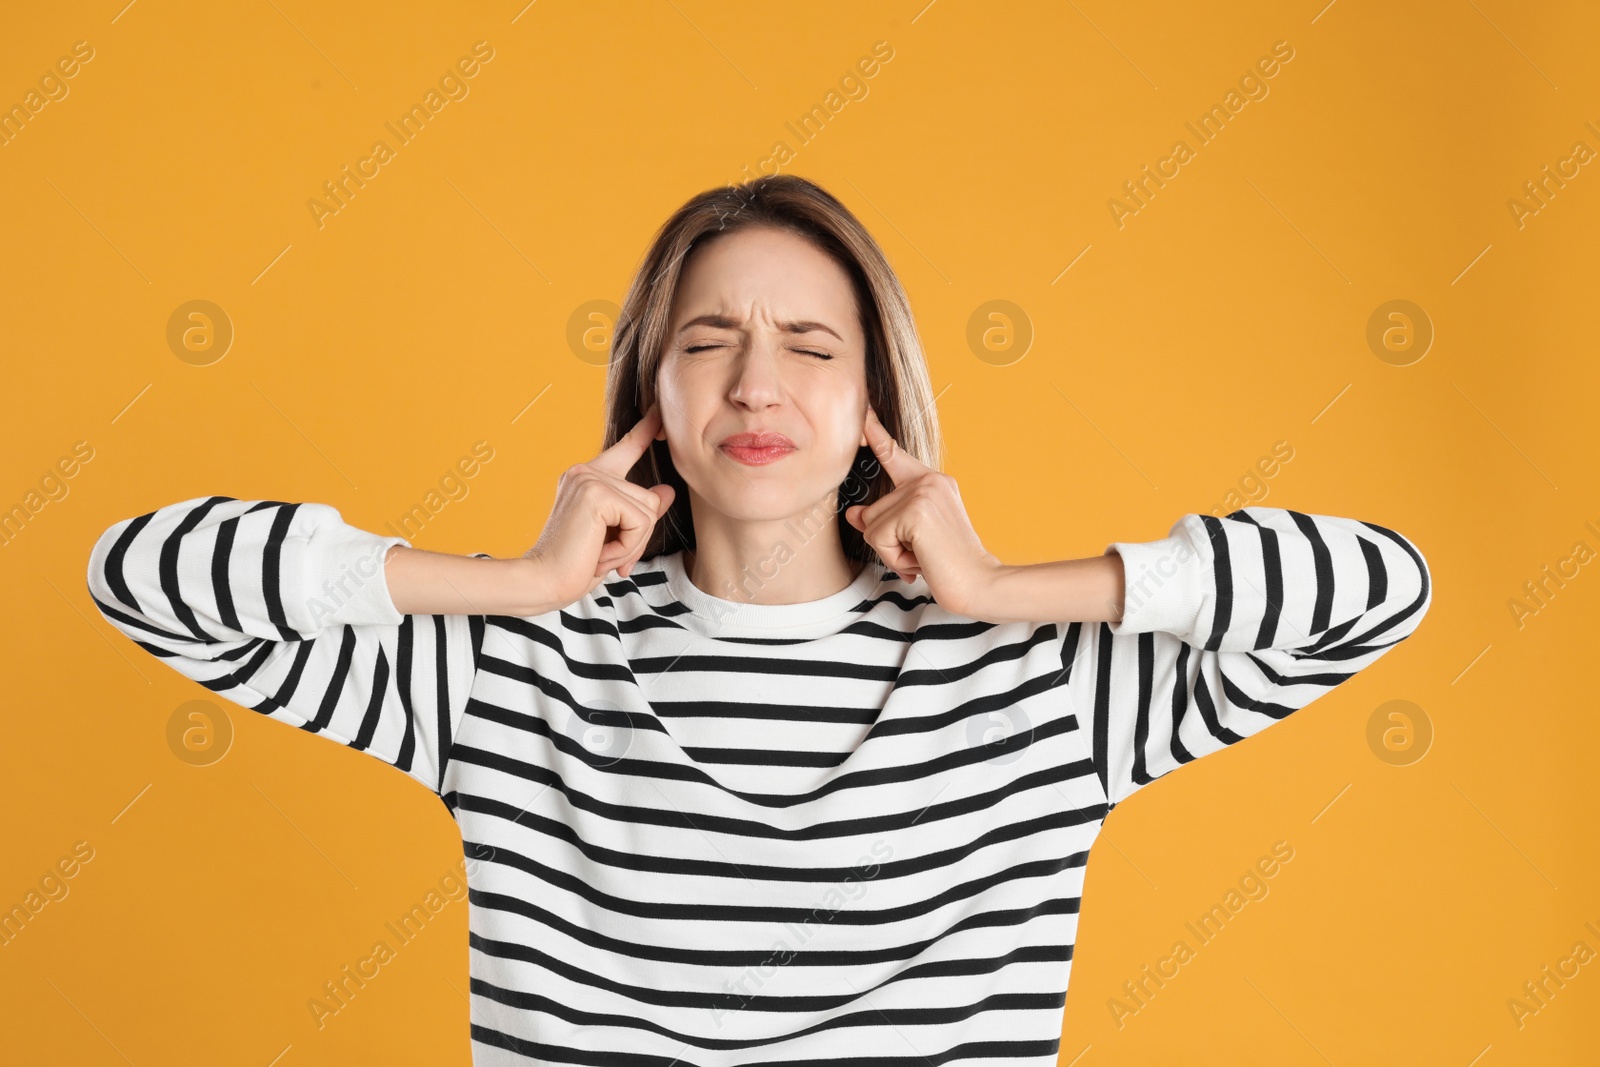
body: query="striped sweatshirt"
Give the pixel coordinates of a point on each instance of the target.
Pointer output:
(704, 831)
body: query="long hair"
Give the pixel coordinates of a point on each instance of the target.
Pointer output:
(897, 372)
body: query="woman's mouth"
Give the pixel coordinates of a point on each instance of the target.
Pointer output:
(756, 449)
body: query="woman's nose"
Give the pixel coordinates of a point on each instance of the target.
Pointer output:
(757, 379)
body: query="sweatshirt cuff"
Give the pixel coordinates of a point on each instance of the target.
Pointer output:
(1165, 582)
(342, 576)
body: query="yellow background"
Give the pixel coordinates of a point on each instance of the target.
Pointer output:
(1228, 314)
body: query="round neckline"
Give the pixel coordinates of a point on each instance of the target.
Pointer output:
(718, 613)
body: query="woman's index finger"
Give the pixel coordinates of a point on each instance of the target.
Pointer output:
(901, 465)
(621, 456)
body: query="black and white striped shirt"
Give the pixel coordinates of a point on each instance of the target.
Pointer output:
(708, 832)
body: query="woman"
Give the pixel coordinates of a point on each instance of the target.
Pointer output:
(760, 755)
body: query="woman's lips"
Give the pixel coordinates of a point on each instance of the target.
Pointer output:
(756, 449)
(758, 455)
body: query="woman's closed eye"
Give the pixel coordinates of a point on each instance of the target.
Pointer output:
(700, 348)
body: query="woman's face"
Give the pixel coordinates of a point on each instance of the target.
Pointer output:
(764, 337)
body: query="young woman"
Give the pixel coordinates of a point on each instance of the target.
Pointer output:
(760, 756)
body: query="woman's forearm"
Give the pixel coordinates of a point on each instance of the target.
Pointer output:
(1084, 590)
(440, 583)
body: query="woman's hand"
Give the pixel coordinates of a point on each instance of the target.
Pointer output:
(600, 520)
(921, 528)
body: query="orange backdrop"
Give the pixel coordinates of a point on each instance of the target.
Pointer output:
(1362, 286)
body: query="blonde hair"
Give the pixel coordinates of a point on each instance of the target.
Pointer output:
(897, 372)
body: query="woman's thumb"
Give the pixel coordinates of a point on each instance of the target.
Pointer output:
(667, 495)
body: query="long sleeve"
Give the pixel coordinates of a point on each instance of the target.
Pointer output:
(1229, 625)
(283, 608)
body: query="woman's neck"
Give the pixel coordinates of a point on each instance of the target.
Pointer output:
(781, 573)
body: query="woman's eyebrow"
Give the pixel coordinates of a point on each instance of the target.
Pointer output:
(723, 322)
